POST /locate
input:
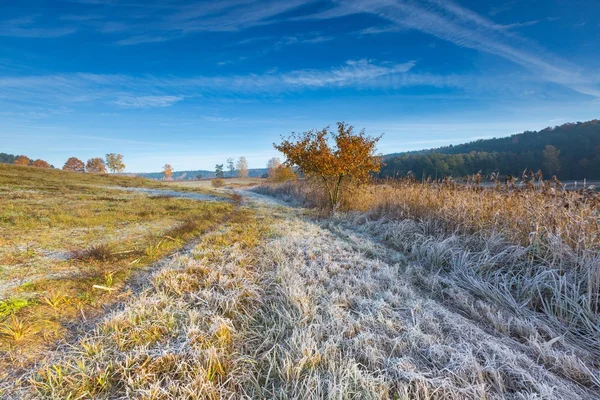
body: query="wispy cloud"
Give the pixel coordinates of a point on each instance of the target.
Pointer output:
(147, 101)
(353, 73)
(153, 91)
(222, 16)
(463, 27)
(27, 27)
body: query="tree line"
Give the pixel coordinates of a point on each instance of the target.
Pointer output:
(570, 151)
(276, 171)
(113, 162)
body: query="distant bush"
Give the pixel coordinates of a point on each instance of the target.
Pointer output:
(40, 164)
(96, 166)
(282, 174)
(22, 160)
(74, 164)
(218, 182)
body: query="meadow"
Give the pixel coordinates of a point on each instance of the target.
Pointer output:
(69, 241)
(408, 291)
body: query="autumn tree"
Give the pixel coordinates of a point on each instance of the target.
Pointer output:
(352, 158)
(115, 163)
(231, 166)
(74, 164)
(168, 172)
(242, 168)
(219, 171)
(95, 166)
(22, 160)
(40, 164)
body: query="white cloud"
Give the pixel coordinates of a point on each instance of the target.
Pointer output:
(147, 101)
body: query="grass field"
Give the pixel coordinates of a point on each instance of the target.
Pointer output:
(207, 183)
(389, 301)
(62, 233)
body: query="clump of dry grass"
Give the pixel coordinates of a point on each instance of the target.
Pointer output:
(183, 229)
(217, 182)
(100, 252)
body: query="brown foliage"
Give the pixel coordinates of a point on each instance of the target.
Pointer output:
(22, 160)
(168, 171)
(242, 167)
(40, 164)
(282, 174)
(115, 163)
(351, 159)
(96, 166)
(74, 164)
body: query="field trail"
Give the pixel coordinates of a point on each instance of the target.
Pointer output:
(276, 304)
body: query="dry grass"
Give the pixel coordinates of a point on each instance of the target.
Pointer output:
(274, 305)
(521, 216)
(68, 244)
(414, 292)
(528, 252)
(347, 319)
(204, 184)
(179, 338)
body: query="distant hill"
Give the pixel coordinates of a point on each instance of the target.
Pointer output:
(202, 174)
(571, 151)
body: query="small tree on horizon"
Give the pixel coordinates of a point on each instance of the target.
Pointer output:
(352, 159)
(272, 166)
(115, 163)
(231, 166)
(40, 164)
(219, 171)
(242, 168)
(74, 164)
(95, 166)
(168, 172)
(22, 160)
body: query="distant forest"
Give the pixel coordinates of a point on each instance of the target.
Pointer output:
(570, 151)
(7, 158)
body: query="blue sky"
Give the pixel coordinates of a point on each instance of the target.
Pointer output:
(192, 83)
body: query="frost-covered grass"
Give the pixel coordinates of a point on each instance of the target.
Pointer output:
(62, 234)
(277, 305)
(531, 249)
(541, 292)
(180, 337)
